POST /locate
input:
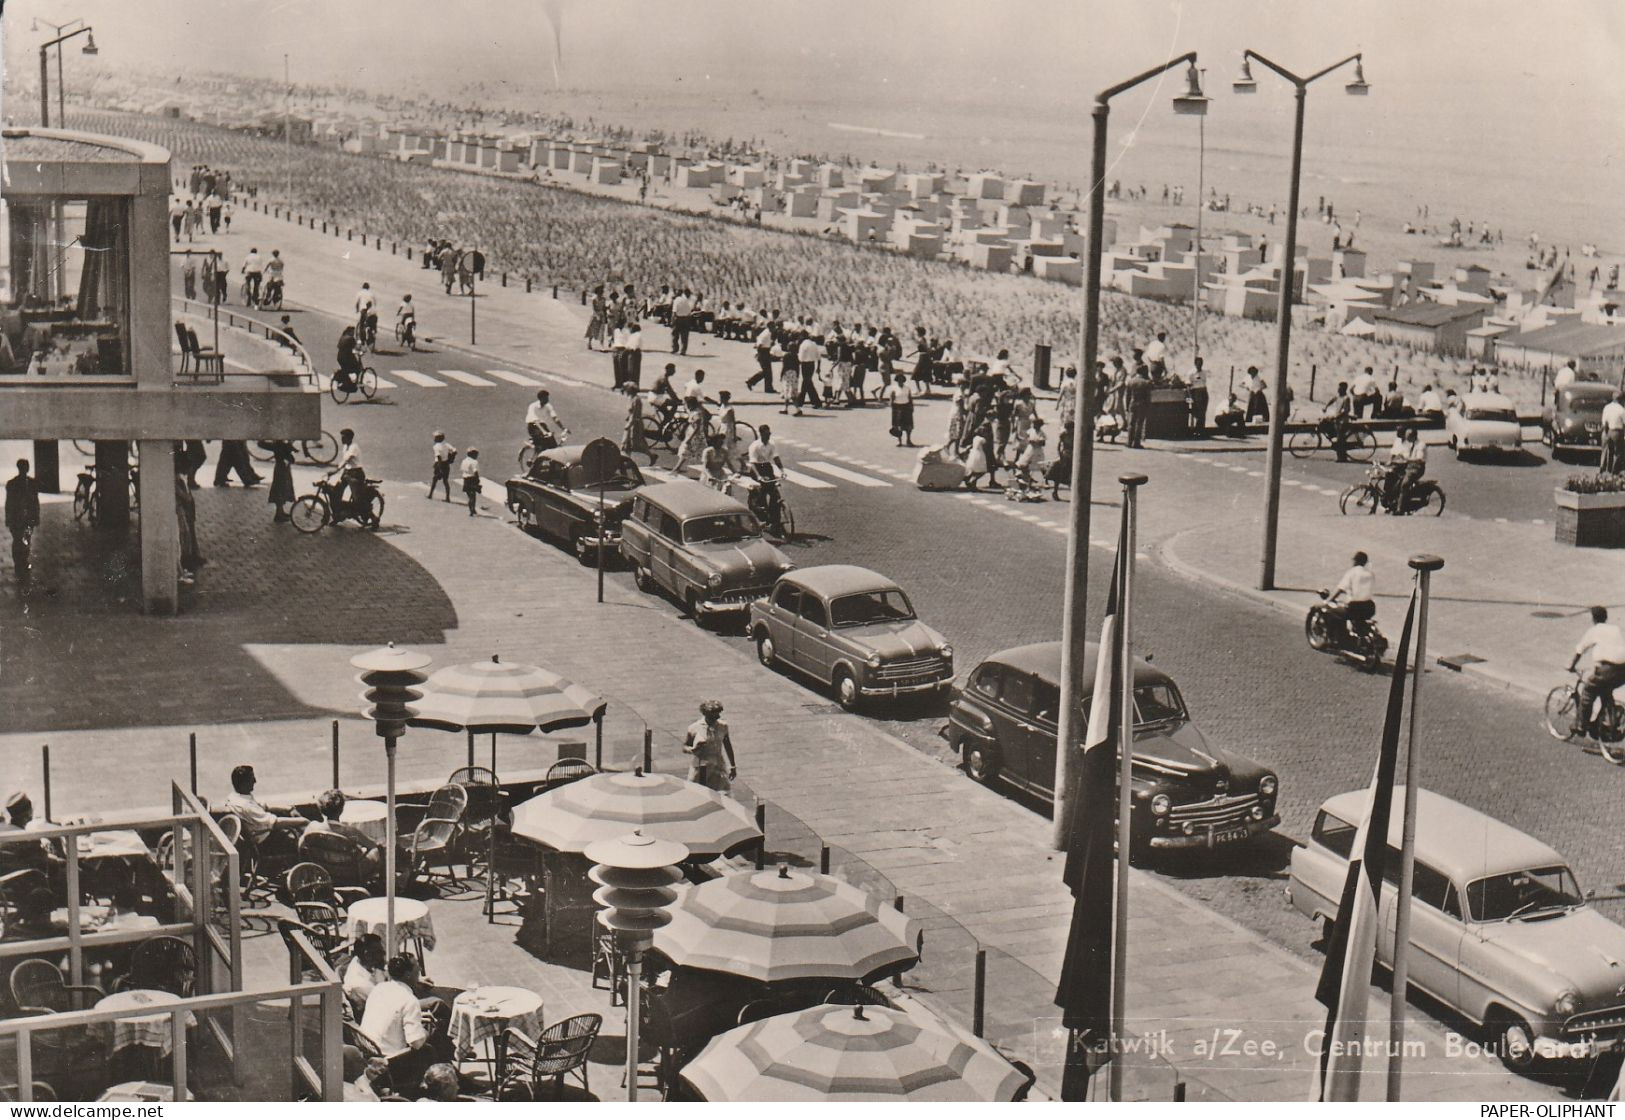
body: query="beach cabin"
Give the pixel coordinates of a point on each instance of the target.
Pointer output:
(581, 159)
(508, 157)
(606, 172)
(1434, 327)
(803, 202)
(1024, 192)
(986, 185)
(830, 176)
(747, 176)
(922, 185)
(693, 176)
(1064, 270)
(875, 179)
(992, 256)
(862, 226)
(1597, 349)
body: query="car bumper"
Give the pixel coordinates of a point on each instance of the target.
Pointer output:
(897, 688)
(1557, 1049)
(732, 604)
(610, 540)
(1214, 837)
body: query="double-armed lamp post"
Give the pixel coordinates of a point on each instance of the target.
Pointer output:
(1283, 312)
(62, 36)
(1075, 607)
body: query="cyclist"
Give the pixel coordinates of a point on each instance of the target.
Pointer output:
(349, 361)
(352, 476)
(273, 278)
(406, 318)
(1606, 647)
(716, 468)
(543, 424)
(253, 269)
(1334, 420)
(764, 465)
(366, 318)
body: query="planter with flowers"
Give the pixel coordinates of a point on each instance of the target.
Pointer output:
(1591, 511)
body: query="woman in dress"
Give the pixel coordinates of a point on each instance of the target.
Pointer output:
(1059, 473)
(1066, 402)
(957, 414)
(1022, 414)
(980, 460)
(281, 476)
(632, 439)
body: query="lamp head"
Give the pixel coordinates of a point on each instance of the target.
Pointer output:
(1192, 103)
(90, 47)
(1244, 82)
(1358, 87)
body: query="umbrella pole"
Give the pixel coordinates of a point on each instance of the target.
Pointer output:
(471, 748)
(493, 754)
(389, 849)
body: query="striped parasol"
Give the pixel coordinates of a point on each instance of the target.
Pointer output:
(513, 699)
(852, 1053)
(787, 925)
(603, 806)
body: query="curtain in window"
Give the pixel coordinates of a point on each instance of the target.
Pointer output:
(103, 289)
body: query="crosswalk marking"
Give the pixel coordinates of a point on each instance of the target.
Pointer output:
(511, 377)
(417, 378)
(386, 383)
(465, 377)
(842, 473)
(807, 481)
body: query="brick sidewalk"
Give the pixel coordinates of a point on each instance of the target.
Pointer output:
(260, 666)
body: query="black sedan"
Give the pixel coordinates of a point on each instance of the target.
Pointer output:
(556, 499)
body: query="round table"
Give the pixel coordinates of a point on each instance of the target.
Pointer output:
(412, 921)
(120, 843)
(141, 1092)
(482, 1015)
(151, 1031)
(368, 817)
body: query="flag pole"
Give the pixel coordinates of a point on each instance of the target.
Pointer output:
(1424, 566)
(1125, 780)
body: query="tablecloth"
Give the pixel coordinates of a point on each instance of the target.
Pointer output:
(482, 1014)
(411, 920)
(368, 817)
(142, 1030)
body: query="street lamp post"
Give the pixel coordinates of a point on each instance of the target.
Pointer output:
(1283, 313)
(1075, 607)
(62, 36)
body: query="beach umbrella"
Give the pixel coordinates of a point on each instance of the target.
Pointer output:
(603, 806)
(854, 1054)
(782, 925)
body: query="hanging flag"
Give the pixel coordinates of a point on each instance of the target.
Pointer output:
(1345, 979)
(1084, 993)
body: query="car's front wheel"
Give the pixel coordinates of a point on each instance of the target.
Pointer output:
(1514, 1042)
(846, 690)
(766, 652)
(644, 578)
(976, 759)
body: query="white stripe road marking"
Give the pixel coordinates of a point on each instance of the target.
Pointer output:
(1255, 474)
(386, 383)
(842, 473)
(1291, 482)
(465, 378)
(807, 480)
(417, 378)
(511, 377)
(1239, 470)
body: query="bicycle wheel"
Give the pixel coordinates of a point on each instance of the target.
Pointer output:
(259, 454)
(1433, 502)
(340, 393)
(322, 451)
(375, 511)
(1361, 445)
(369, 382)
(527, 456)
(786, 522)
(309, 514)
(92, 512)
(400, 333)
(1560, 704)
(653, 434)
(1303, 444)
(744, 434)
(81, 502)
(1363, 499)
(85, 447)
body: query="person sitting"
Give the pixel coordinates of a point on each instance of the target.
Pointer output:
(259, 823)
(1229, 420)
(366, 970)
(1356, 589)
(1394, 406)
(1407, 461)
(1364, 394)
(440, 1083)
(349, 361)
(27, 855)
(331, 806)
(714, 466)
(1430, 406)
(125, 913)
(410, 1032)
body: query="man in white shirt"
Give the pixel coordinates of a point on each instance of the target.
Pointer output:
(1565, 376)
(762, 458)
(1605, 645)
(1407, 462)
(253, 269)
(1156, 356)
(394, 1020)
(617, 352)
(542, 422)
(695, 389)
(258, 821)
(807, 356)
(634, 353)
(1430, 404)
(1356, 589)
(1365, 393)
(1613, 435)
(764, 360)
(682, 309)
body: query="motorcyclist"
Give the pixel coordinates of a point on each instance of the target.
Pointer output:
(352, 475)
(1606, 647)
(543, 424)
(406, 319)
(1356, 589)
(349, 360)
(1407, 462)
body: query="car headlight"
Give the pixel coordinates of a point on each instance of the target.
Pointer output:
(1160, 804)
(947, 651)
(874, 661)
(1566, 1004)
(1267, 786)
(714, 579)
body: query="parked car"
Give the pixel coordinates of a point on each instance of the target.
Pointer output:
(555, 498)
(1499, 928)
(852, 629)
(1573, 417)
(1186, 792)
(1482, 422)
(700, 546)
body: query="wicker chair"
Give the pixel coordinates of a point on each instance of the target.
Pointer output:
(341, 857)
(561, 1049)
(165, 963)
(434, 843)
(39, 988)
(257, 888)
(311, 882)
(568, 770)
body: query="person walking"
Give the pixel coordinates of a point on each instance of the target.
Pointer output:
(189, 278)
(617, 352)
(212, 205)
(281, 476)
(900, 395)
(682, 309)
(471, 480)
(633, 441)
(234, 457)
(710, 750)
(980, 460)
(1258, 405)
(764, 360)
(22, 518)
(1196, 396)
(1613, 435)
(634, 351)
(177, 216)
(444, 455)
(807, 354)
(1137, 403)
(186, 526)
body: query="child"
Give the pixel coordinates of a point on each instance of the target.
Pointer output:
(727, 420)
(471, 479)
(444, 455)
(980, 460)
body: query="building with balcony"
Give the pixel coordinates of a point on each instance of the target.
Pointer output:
(86, 331)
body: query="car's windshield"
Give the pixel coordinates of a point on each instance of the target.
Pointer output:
(1158, 703)
(870, 607)
(626, 478)
(1506, 415)
(720, 528)
(1523, 892)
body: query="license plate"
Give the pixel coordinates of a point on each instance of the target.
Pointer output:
(1225, 835)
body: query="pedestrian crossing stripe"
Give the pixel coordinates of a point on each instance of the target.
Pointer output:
(466, 378)
(416, 378)
(511, 377)
(807, 481)
(845, 475)
(386, 383)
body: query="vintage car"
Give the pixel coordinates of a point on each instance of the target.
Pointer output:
(1499, 929)
(1573, 417)
(853, 630)
(1186, 792)
(700, 546)
(1482, 422)
(555, 498)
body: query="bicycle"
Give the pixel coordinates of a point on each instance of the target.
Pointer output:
(1606, 728)
(84, 495)
(1424, 497)
(1359, 444)
(406, 333)
(366, 332)
(364, 382)
(321, 451)
(271, 296)
(529, 450)
(313, 511)
(765, 500)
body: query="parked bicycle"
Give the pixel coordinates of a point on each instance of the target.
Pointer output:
(314, 511)
(1606, 728)
(364, 382)
(1367, 497)
(321, 451)
(85, 505)
(1359, 444)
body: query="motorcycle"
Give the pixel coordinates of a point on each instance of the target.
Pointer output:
(1357, 639)
(314, 511)
(1426, 496)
